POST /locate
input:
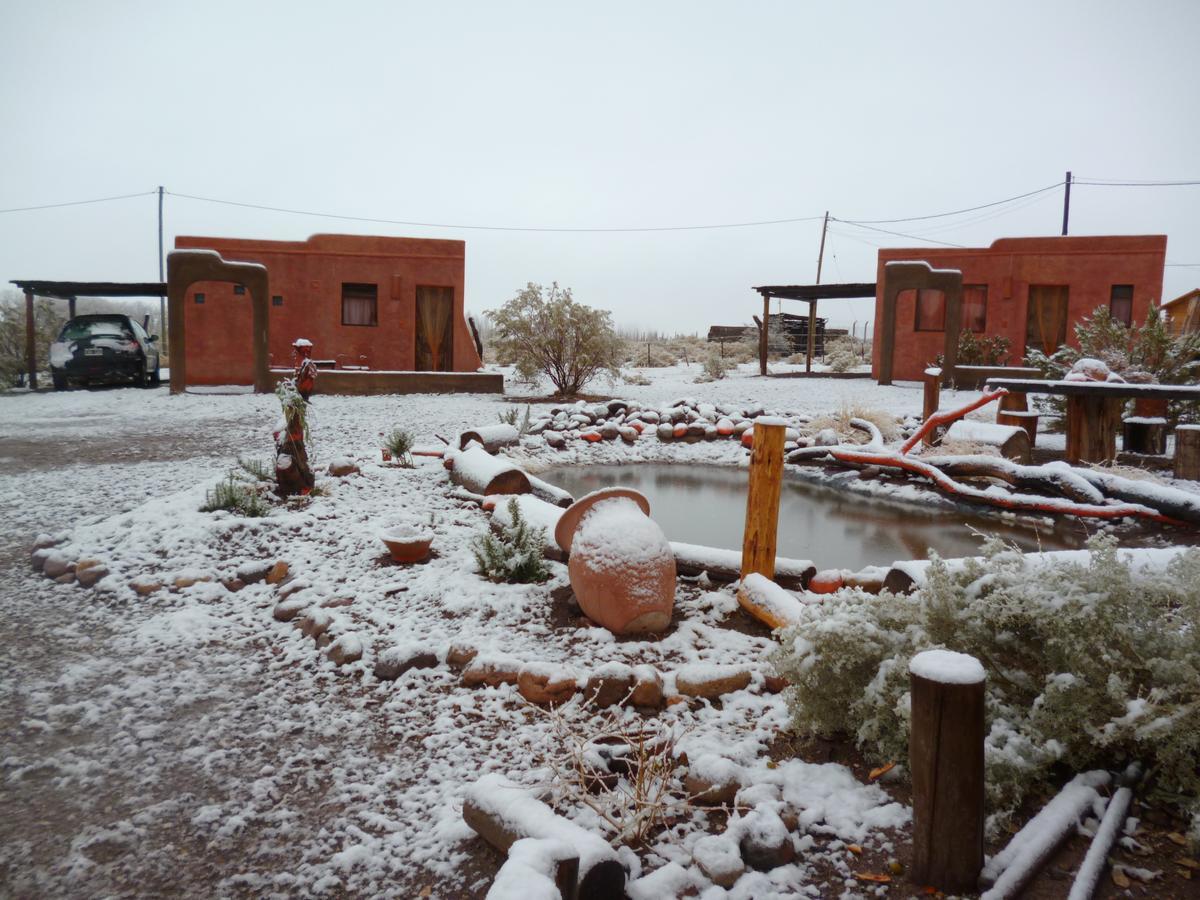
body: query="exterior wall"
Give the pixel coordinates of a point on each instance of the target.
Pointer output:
(1089, 266)
(1176, 311)
(308, 275)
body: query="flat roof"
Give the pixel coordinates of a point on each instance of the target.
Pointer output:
(71, 290)
(817, 291)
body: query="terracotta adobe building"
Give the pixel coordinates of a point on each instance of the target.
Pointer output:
(1030, 290)
(382, 303)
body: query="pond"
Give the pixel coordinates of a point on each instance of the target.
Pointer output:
(701, 504)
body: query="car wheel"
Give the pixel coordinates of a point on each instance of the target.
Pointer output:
(60, 381)
(156, 378)
(143, 376)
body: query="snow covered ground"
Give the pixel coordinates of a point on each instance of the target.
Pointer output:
(186, 742)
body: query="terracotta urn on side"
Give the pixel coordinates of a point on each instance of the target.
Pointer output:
(621, 565)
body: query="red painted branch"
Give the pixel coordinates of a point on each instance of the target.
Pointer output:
(951, 415)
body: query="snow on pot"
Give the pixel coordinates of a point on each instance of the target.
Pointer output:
(406, 544)
(621, 565)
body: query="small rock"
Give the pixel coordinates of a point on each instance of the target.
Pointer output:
(712, 779)
(775, 684)
(233, 585)
(43, 542)
(315, 622)
(92, 574)
(460, 655)
(287, 610)
(546, 684)
(343, 466)
(554, 439)
(648, 687)
(339, 603)
(676, 699)
(610, 684)
(38, 558)
(346, 649)
(711, 682)
(665, 432)
(720, 859)
(610, 432)
(253, 572)
(766, 843)
(395, 661)
(186, 581)
(146, 587)
(491, 670)
(57, 564)
(826, 437)
(66, 578)
(290, 587)
(278, 572)
(324, 639)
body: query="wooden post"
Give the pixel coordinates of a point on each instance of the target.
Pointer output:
(945, 751)
(932, 400)
(1187, 452)
(762, 499)
(30, 341)
(70, 307)
(762, 336)
(1092, 424)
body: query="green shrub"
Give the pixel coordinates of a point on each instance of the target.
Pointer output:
(233, 494)
(512, 416)
(1089, 665)
(515, 554)
(400, 442)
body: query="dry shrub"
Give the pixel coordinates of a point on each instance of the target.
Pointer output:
(840, 422)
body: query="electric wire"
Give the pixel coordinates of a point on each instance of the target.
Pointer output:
(76, 202)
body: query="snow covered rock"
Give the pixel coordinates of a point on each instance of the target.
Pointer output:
(710, 682)
(546, 683)
(719, 858)
(395, 661)
(530, 870)
(253, 572)
(460, 655)
(145, 586)
(56, 564)
(287, 610)
(315, 622)
(610, 684)
(765, 843)
(89, 571)
(491, 670)
(343, 466)
(826, 437)
(346, 649)
(712, 779)
(647, 688)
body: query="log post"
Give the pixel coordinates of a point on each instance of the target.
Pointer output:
(946, 758)
(1187, 452)
(763, 336)
(931, 400)
(1092, 424)
(1144, 434)
(30, 341)
(762, 498)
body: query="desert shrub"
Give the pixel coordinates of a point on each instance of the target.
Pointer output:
(742, 351)
(633, 376)
(1089, 665)
(840, 422)
(513, 416)
(256, 469)
(515, 554)
(842, 354)
(545, 331)
(400, 442)
(46, 325)
(234, 494)
(714, 367)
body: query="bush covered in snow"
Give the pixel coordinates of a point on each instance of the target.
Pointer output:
(842, 354)
(515, 554)
(714, 367)
(1090, 666)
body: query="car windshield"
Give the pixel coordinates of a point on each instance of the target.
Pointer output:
(86, 328)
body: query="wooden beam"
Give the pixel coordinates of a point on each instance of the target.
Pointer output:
(763, 337)
(762, 499)
(30, 341)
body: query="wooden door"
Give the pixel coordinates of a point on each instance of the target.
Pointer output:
(435, 329)
(1046, 318)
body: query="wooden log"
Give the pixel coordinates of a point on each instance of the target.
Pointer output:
(723, 566)
(30, 341)
(1020, 419)
(946, 762)
(931, 400)
(1047, 481)
(1012, 442)
(1143, 434)
(538, 867)
(502, 813)
(1092, 423)
(1087, 879)
(480, 472)
(762, 498)
(1014, 401)
(491, 437)
(1187, 452)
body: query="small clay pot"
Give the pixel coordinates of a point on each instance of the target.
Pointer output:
(406, 544)
(621, 564)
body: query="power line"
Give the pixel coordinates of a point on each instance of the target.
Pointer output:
(1042, 190)
(79, 202)
(349, 218)
(915, 237)
(1132, 182)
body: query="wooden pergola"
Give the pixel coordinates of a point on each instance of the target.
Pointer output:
(71, 291)
(810, 294)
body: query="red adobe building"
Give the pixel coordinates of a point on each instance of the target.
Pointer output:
(383, 303)
(1030, 290)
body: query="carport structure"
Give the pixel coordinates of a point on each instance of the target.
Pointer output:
(810, 294)
(71, 291)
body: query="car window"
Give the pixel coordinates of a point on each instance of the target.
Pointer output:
(77, 329)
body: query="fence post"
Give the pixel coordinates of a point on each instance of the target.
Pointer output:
(932, 399)
(762, 498)
(1187, 452)
(945, 754)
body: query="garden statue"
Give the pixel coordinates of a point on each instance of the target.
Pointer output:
(293, 475)
(621, 565)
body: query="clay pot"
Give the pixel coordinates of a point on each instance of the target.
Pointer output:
(406, 544)
(621, 565)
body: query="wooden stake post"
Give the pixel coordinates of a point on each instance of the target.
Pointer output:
(762, 499)
(1187, 452)
(945, 752)
(931, 401)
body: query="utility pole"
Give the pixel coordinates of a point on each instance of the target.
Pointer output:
(162, 301)
(812, 304)
(1067, 204)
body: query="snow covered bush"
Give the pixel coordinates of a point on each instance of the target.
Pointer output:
(1090, 665)
(515, 554)
(714, 367)
(842, 354)
(545, 330)
(512, 416)
(236, 494)
(399, 443)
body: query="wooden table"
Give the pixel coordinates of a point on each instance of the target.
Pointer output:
(1094, 409)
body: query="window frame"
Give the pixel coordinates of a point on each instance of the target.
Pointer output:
(363, 287)
(1112, 298)
(983, 326)
(917, 292)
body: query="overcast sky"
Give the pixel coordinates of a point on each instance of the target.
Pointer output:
(597, 115)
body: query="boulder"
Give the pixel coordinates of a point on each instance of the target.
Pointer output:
(491, 670)
(766, 843)
(720, 859)
(253, 572)
(460, 655)
(233, 585)
(647, 688)
(712, 780)
(710, 682)
(546, 683)
(277, 572)
(89, 576)
(395, 661)
(610, 684)
(346, 649)
(315, 622)
(343, 466)
(665, 432)
(57, 564)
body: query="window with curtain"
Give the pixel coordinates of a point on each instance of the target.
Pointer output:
(931, 310)
(974, 308)
(360, 303)
(1120, 303)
